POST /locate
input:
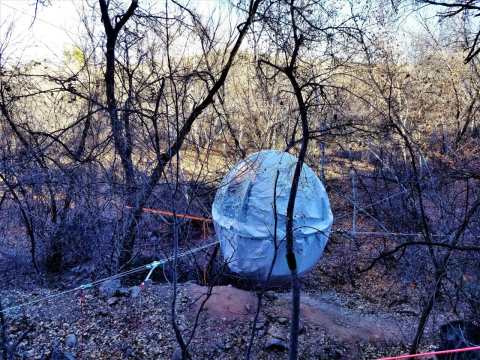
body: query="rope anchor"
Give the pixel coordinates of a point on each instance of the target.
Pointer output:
(152, 266)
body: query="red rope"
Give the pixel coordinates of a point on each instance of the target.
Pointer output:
(203, 220)
(169, 213)
(422, 355)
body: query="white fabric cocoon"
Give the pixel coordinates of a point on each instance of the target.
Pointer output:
(244, 218)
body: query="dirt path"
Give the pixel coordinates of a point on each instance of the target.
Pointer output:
(125, 327)
(326, 322)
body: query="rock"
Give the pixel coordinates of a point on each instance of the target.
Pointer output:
(330, 353)
(177, 354)
(276, 339)
(259, 325)
(112, 301)
(270, 295)
(109, 288)
(225, 303)
(71, 341)
(275, 344)
(29, 353)
(301, 328)
(135, 291)
(282, 320)
(122, 292)
(227, 345)
(277, 331)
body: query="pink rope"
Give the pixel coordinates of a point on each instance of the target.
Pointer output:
(422, 355)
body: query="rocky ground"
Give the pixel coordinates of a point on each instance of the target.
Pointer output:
(364, 317)
(115, 322)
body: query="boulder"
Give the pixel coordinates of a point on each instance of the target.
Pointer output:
(112, 301)
(122, 292)
(71, 341)
(276, 339)
(226, 302)
(135, 291)
(109, 288)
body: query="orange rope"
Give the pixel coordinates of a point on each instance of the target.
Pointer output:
(169, 213)
(181, 216)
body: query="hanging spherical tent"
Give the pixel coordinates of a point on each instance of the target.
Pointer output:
(244, 220)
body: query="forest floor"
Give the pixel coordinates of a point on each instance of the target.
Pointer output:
(135, 323)
(345, 314)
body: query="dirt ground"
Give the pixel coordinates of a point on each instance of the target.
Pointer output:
(333, 326)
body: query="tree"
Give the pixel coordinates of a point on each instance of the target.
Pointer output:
(302, 31)
(468, 9)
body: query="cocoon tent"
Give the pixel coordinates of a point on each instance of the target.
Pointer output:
(244, 220)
